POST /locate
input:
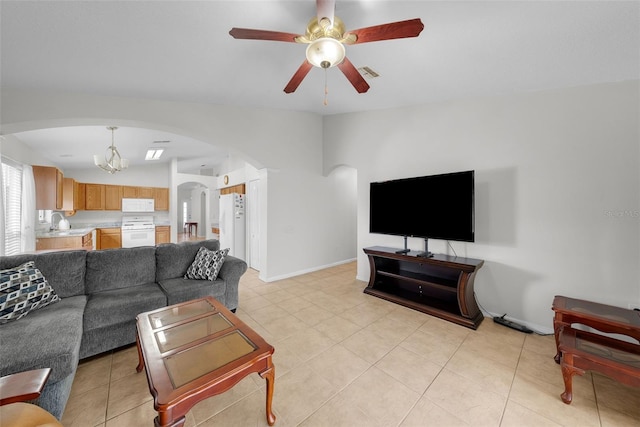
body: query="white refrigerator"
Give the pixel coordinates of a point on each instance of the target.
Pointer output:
(233, 224)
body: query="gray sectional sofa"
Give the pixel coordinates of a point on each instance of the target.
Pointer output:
(101, 293)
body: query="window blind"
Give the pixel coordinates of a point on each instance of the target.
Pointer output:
(12, 203)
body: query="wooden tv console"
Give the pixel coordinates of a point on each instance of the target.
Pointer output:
(440, 285)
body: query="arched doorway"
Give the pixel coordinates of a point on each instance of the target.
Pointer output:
(192, 219)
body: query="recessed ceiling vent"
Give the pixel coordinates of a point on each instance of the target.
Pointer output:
(368, 73)
(161, 142)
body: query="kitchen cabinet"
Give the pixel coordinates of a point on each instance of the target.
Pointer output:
(163, 234)
(129, 192)
(65, 242)
(161, 197)
(145, 192)
(72, 196)
(112, 197)
(49, 187)
(109, 197)
(79, 195)
(108, 238)
(94, 197)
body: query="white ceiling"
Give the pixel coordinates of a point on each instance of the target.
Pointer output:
(181, 50)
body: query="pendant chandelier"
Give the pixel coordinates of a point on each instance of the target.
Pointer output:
(113, 161)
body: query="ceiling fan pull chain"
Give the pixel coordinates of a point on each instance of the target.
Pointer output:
(326, 88)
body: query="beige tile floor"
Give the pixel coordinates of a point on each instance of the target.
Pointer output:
(344, 358)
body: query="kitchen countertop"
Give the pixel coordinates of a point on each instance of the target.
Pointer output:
(72, 232)
(82, 229)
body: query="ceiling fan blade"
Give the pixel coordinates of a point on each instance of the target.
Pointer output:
(298, 77)
(353, 75)
(393, 30)
(325, 9)
(251, 34)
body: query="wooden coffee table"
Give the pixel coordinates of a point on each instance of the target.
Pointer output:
(195, 350)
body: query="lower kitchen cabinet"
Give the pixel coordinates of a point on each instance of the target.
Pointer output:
(163, 234)
(108, 238)
(65, 242)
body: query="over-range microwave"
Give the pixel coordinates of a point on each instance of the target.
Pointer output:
(138, 205)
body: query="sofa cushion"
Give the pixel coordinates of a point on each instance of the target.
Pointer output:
(173, 260)
(120, 268)
(23, 289)
(122, 305)
(180, 290)
(64, 270)
(46, 338)
(207, 264)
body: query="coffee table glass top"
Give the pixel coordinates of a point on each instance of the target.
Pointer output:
(175, 314)
(171, 338)
(602, 311)
(186, 366)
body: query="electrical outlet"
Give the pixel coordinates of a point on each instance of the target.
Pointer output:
(634, 306)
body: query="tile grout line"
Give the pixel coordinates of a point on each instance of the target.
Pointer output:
(515, 370)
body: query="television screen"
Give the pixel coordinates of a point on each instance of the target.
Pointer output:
(435, 207)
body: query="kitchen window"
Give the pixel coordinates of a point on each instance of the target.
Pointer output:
(17, 205)
(11, 207)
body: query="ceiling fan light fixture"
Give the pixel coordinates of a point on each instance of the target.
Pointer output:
(325, 52)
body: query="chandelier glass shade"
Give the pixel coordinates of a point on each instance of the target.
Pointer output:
(112, 161)
(325, 52)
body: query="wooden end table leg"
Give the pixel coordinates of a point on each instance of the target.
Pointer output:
(163, 417)
(269, 375)
(568, 371)
(140, 366)
(557, 326)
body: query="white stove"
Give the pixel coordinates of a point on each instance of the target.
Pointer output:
(138, 231)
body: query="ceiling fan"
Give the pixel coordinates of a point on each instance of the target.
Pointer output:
(326, 37)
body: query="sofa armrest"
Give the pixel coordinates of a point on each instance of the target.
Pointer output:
(232, 269)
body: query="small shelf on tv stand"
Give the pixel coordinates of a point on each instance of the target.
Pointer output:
(440, 285)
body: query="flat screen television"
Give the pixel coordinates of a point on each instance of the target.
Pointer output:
(429, 207)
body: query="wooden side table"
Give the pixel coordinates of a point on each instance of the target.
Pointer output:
(605, 318)
(23, 386)
(585, 351)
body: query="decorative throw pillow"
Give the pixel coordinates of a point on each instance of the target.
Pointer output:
(23, 289)
(207, 264)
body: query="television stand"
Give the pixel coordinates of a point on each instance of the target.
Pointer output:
(440, 285)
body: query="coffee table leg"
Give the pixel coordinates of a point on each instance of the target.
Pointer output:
(140, 366)
(269, 375)
(163, 420)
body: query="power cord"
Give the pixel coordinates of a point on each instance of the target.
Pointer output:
(454, 251)
(503, 320)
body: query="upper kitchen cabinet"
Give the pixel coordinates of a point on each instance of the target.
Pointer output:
(159, 194)
(73, 196)
(145, 192)
(79, 195)
(49, 187)
(161, 197)
(113, 197)
(94, 197)
(129, 192)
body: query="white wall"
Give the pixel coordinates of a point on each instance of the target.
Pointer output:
(12, 148)
(557, 188)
